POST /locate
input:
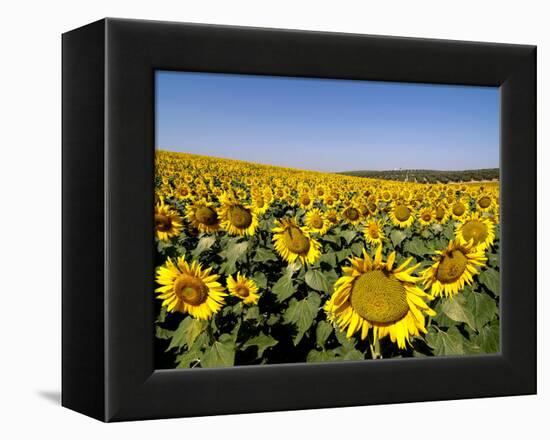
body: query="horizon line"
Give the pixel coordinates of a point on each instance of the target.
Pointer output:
(327, 172)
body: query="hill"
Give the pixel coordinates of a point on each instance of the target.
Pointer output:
(429, 176)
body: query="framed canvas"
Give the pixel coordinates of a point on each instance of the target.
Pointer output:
(263, 219)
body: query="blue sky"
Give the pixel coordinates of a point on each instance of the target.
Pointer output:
(328, 125)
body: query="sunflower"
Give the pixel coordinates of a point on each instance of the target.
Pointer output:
(316, 221)
(441, 214)
(216, 192)
(293, 242)
(401, 215)
(261, 203)
(182, 192)
(333, 217)
(330, 201)
(432, 194)
(386, 196)
(426, 216)
(459, 209)
(243, 288)
(238, 218)
(494, 216)
(363, 209)
(320, 191)
(374, 233)
(351, 215)
(450, 191)
(406, 194)
(305, 200)
(335, 193)
(374, 294)
(168, 223)
(280, 193)
(203, 216)
(240, 194)
(373, 207)
(268, 194)
(485, 202)
(189, 289)
(480, 230)
(453, 267)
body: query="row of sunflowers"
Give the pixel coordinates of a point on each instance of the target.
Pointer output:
(259, 264)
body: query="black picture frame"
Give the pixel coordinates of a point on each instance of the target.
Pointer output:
(108, 270)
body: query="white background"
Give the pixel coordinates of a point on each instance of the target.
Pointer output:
(30, 185)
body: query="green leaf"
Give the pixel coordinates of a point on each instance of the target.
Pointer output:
(283, 288)
(188, 358)
(204, 244)
(322, 332)
(347, 350)
(343, 254)
(332, 238)
(456, 309)
(348, 236)
(337, 354)
(302, 313)
(489, 338)
(162, 315)
(416, 247)
(181, 250)
(186, 333)
(441, 319)
(273, 319)
(234, 252)
(260, 279)
(426, 234)
(234, 333)
(220, 354)
(162, 333)
(438, 243)
(318, 281)
(261, 341)
(349, 354)
(357, 249)
(331, 277)
(252, 313)
(436, 227)
(445, 343)
(494, 259)
(343, 340)
(163, 246)
(267, 224)
(482, 307)
(237, 309)
(328, 258)
(397, 237)
(490, 278)
(263, 255)
(320, 356)
(471, 347)
(449, 230)
(294, 267)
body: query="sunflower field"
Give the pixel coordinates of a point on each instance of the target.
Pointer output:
(258, 264)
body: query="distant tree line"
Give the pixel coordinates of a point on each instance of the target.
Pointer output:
(430, 176)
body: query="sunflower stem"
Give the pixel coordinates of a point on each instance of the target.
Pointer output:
(375, 349)
(210, 333)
